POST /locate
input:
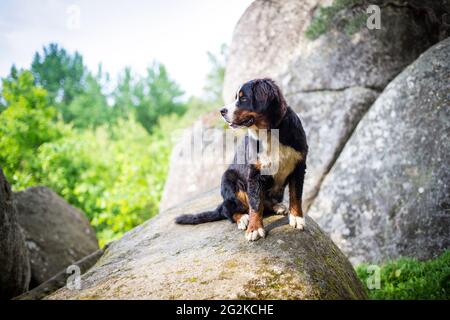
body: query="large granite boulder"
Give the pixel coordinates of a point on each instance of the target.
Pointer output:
(265, 39)
(329, 118)
(14, 262)
(388, 194)
(196, 162)
(56, 233)
(195, 165)
(162, 260)
(333, 79)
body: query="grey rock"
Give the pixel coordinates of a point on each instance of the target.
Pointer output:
(329, 118)
(162, 260)
(388, 194)
(368, 58)
(14, 261)
(194, 173)
(56, 234)
(265, 39)
(62, 278)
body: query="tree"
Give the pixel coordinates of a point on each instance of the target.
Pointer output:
(157, 95)
(27, 122)
(60, 73)
(89, 109)
(124, 95)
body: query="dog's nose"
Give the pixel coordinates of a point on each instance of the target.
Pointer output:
(223, 111)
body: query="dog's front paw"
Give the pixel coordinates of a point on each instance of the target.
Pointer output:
(280, 209)
(297, 222)
(255, 230)
(255, 234)
(243, 222)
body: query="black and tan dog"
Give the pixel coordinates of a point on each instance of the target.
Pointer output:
(247, 192)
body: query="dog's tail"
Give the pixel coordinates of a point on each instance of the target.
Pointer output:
(208, 216)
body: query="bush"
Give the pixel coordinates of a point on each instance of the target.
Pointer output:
(27, 122)
(114, 174)
(408, 278)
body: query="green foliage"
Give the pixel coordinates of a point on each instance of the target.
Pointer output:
(157, 95)
(114, 174)
(407, 278)
(27, 122)
(60, 73)
(124, 95)
(324, 18)
(89, 109)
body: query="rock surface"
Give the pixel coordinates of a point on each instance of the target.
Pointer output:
(329, 118)
(14, 262)
(201, 170)
(368, 58)
(265, 39)
(388, 194)
(56, 233)
(61, 278)
(161, 260)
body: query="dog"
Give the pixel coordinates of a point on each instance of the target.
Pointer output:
(247, 192)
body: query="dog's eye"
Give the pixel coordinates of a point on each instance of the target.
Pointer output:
(243, 99)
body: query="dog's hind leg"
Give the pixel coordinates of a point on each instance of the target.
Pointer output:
(235, 205)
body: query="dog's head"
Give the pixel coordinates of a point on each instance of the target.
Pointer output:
(257, 103)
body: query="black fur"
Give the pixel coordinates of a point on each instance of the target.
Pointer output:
(263, 102)
(208, 216)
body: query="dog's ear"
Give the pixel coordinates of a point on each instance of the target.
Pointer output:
(264, 92)
(269, 99)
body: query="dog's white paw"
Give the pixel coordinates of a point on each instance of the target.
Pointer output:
(243, 222)
(281, 209)
(255, 235)
(297, 222)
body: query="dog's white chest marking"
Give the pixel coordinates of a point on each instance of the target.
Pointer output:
(282, 159)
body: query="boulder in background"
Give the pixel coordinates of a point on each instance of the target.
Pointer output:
(388, 195)
(56, 233)
(14, 261)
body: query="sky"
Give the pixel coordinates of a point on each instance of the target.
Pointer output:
(133, 33)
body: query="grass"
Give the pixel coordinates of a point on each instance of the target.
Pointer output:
(410, 279)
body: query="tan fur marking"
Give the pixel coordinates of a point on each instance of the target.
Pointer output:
(237, 216)
(260, 120)
(295, 207)
(243, 197)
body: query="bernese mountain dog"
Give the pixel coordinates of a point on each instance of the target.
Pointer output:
(247, 192)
